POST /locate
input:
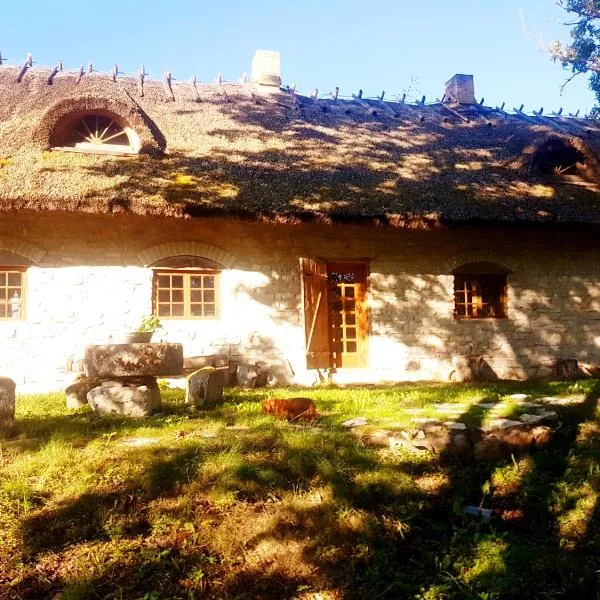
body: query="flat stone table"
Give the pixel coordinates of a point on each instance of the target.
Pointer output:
(126, 376)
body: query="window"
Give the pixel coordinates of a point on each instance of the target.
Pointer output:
(99, 133)
(186, 294)
(12, 292)
(480, 291)
(480, 296)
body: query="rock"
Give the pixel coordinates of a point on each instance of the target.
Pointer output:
(548, 415)
(76, 393)
(379, 437)
(134, 360)
(516, 439)
(501, 424)
(133, 398)
(476, 511)
(437, 441)
(395, 442)
(420, 435)
(519, 396)
(455, 425)
(489, 448)
(486, 405)
(252, 376)
(542, 436)
(355, 422)
(566, 368)
(204, 387)
(460, 443)
(425, 421)
(7, 402)
(530, 419)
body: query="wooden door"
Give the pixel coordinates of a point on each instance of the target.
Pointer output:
(315, 300)
(348, 317)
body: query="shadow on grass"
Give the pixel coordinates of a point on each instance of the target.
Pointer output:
(278, 511)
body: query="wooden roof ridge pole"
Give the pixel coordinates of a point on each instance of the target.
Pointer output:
(168, 86)
(454, 112)
(385, 106)
(358, 99)
(141, 77)
(26, 65)
(193, 82)
(57, 68)
(222, 90)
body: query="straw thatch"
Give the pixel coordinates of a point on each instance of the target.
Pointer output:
(285, 157)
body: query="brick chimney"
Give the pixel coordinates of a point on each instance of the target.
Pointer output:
(461, 89)
(266, 70)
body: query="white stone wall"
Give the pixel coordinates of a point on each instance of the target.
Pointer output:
(553, 295)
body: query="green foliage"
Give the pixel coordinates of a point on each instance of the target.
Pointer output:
(149, 323)
(582, 54)
(232, 503)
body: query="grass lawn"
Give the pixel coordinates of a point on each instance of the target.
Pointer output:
(232, 503)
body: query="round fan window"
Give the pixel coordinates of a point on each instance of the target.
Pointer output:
(96, 133)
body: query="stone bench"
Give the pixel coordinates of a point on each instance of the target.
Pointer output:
(121, 378)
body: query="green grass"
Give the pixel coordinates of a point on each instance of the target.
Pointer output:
(232, 503)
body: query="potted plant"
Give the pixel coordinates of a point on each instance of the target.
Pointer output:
(143, 334)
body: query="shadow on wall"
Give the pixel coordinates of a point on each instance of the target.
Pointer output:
(414, 334)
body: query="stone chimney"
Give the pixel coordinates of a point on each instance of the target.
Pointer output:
(266, 70)
(460, 89)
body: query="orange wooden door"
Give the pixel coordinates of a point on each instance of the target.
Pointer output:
(315, 301)
(348, 316)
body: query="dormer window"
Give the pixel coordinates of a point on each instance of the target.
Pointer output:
(567, 161)
(96, 133)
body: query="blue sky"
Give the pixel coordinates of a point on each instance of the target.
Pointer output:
(384, 45)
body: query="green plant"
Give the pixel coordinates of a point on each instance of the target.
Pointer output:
(148, 323)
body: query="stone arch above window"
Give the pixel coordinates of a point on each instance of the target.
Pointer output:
(186, 251)
(19, 252)
(55, 129)
(500, 262)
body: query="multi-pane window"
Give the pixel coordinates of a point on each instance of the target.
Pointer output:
(186, 295)
(480, 296)
(12, 287)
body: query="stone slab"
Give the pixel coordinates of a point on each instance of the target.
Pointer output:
(76, 393)
(134, 360)
(501, 424)
(7, 401)
(128, 399)
(205, 387)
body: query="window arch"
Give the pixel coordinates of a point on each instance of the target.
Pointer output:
(480, 291)
(97, 132)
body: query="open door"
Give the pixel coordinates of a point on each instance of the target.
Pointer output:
(335, 313)
(316, 313)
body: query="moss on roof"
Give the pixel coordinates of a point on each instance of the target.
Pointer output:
(285, 157)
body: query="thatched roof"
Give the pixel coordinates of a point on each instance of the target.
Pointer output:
(285, 157)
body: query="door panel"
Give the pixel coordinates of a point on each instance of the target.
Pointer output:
(315, 300)
(347, 284)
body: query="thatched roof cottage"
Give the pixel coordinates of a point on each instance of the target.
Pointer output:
(369, 239)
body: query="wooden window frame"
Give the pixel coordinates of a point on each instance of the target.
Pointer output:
(187, 273)
(23, 296)
(470, 286)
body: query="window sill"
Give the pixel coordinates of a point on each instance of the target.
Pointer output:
(109, 152)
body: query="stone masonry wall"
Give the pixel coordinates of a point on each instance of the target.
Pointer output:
(90, 283)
